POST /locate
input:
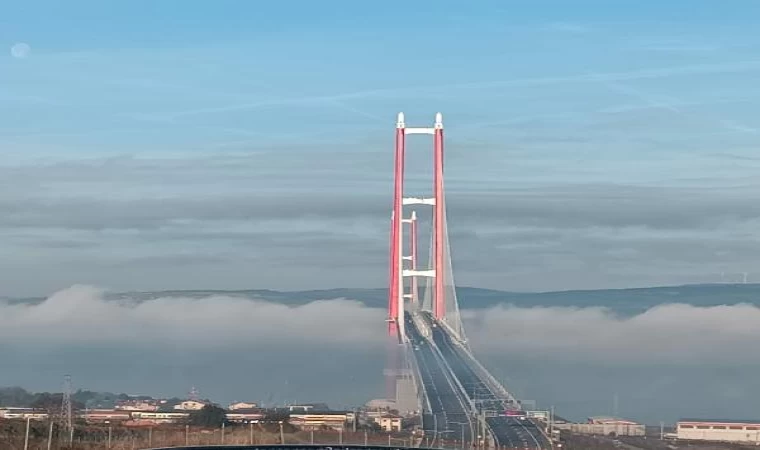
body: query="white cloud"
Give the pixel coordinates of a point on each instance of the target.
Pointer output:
(677, 334)
(81, 316)
(667, 334)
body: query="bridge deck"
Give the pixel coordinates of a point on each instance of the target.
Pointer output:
(448, 417)
(508, 432)
(287, 447)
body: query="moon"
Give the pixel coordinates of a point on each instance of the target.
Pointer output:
(20, 50)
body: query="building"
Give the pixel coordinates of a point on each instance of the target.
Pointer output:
(723, 430)
(136, 405)
(154, 417)
(105, 415)
(375, 409)
(306, 407)
(242, 405)
(251, 415)
(607, 420)
(336, 420)
(23, 413)
(604, 426)
(389, 422)
(189, 405)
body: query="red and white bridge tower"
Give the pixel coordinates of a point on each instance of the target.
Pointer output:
(398, 271)
(439, 293)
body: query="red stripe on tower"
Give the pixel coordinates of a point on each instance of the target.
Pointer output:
(392, 329)
(394, 290)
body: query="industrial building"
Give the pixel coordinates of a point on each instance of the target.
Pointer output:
(190, 405)
(604, 426)
(156, 417)
(23, 413)
(722, 430)
(313, 420)
(137, 405)
(106, 415)
(247, 415)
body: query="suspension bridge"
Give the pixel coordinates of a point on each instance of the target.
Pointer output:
(430, 364)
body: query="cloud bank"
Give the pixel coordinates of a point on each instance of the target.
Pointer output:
(670, 334)
(333, 350)
(80, 316)
(666, 334)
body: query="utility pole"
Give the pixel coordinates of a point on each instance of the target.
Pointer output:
(26, 434)
(251, 424)
(50, 436)
(282, 435)
(662, 431)
(551, 423)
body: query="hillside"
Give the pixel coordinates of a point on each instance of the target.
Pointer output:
(622, 301)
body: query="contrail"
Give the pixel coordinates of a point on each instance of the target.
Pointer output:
(646, 98)
(651, 73)
(360, 112)
(670, 106)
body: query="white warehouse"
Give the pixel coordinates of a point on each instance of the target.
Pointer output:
(726, 430)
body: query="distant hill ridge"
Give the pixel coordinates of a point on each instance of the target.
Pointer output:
(628, 301)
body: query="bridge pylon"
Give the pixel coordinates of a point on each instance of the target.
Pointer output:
(437, 266)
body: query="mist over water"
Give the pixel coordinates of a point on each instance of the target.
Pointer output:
(669, 361)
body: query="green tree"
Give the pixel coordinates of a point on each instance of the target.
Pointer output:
(15, 396)
(52, 402)
(209, 416)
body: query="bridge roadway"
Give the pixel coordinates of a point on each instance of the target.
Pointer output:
(510, 432)
(287, 447)
(448, 417)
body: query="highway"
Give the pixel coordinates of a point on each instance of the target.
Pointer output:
(510, 432)
(516, 433)
(448, 417)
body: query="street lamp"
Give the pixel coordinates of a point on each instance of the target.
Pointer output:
(109, 433)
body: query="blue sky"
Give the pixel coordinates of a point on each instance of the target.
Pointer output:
(180, 144)
(227, 145)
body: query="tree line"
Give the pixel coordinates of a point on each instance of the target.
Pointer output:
(21, 398)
